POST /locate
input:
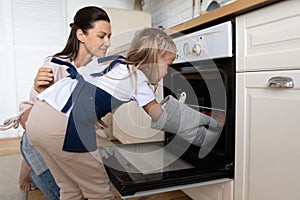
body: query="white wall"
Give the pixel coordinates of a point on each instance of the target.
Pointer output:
(168, 13)
(8, 99)
(30, 31)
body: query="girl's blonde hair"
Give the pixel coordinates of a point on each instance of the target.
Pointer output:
(145, 48)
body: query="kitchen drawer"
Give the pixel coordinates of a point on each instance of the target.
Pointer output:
(261, 79)
(218, 191)
(269, 38)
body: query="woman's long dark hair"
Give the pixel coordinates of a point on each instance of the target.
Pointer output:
(84, 19)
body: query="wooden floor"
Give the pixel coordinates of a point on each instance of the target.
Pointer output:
(10, 146)
(175, 195)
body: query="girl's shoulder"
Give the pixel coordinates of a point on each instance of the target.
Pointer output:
(129, 70)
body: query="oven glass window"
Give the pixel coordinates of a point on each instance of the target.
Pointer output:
(205, 89)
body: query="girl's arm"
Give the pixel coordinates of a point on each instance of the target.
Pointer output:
(43, 79)
(153, 109)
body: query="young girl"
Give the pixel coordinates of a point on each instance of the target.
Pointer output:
(61, 123)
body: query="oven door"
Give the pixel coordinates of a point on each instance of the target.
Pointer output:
(209, 88)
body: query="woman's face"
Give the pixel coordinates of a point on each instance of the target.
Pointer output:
(97, 40)
(163, 61)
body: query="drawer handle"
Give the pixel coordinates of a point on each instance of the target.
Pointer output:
(281, 82)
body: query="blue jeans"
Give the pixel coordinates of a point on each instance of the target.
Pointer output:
(45, 181)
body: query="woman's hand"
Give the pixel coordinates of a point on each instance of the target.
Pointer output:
(43, 79)
(24, 117)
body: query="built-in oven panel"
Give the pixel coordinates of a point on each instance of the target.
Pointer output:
(210, 43)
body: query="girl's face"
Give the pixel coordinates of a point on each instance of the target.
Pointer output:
(163, 61)
(97, 40)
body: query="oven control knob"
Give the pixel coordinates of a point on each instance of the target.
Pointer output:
(186, 49)
(197, 49)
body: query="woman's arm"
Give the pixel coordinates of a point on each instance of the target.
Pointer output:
(153, 109)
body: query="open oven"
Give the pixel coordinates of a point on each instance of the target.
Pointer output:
(204, 74)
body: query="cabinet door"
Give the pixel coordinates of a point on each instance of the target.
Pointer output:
(131, 124)
(267, 138)
(219, 191)
(269, 38)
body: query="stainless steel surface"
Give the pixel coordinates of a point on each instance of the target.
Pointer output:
(281, 82)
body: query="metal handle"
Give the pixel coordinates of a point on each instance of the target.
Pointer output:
(281, 82)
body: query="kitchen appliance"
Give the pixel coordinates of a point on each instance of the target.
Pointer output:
(210, 5)
(204, 74)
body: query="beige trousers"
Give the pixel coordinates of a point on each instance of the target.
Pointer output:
(79, 175)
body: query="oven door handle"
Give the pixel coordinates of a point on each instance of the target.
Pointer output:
(281, 82)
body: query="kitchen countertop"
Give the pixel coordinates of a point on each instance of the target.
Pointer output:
(221, 14)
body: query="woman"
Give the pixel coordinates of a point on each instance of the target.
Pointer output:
(89, 36)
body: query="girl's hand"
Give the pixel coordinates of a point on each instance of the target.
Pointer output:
(43, 79)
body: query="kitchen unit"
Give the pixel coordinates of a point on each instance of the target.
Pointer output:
(267, 94)
(268, 103)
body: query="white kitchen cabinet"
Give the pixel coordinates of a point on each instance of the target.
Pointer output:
(219, 191)
(267, 136)
(269, 38)
(267, 145)
(131, 124)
